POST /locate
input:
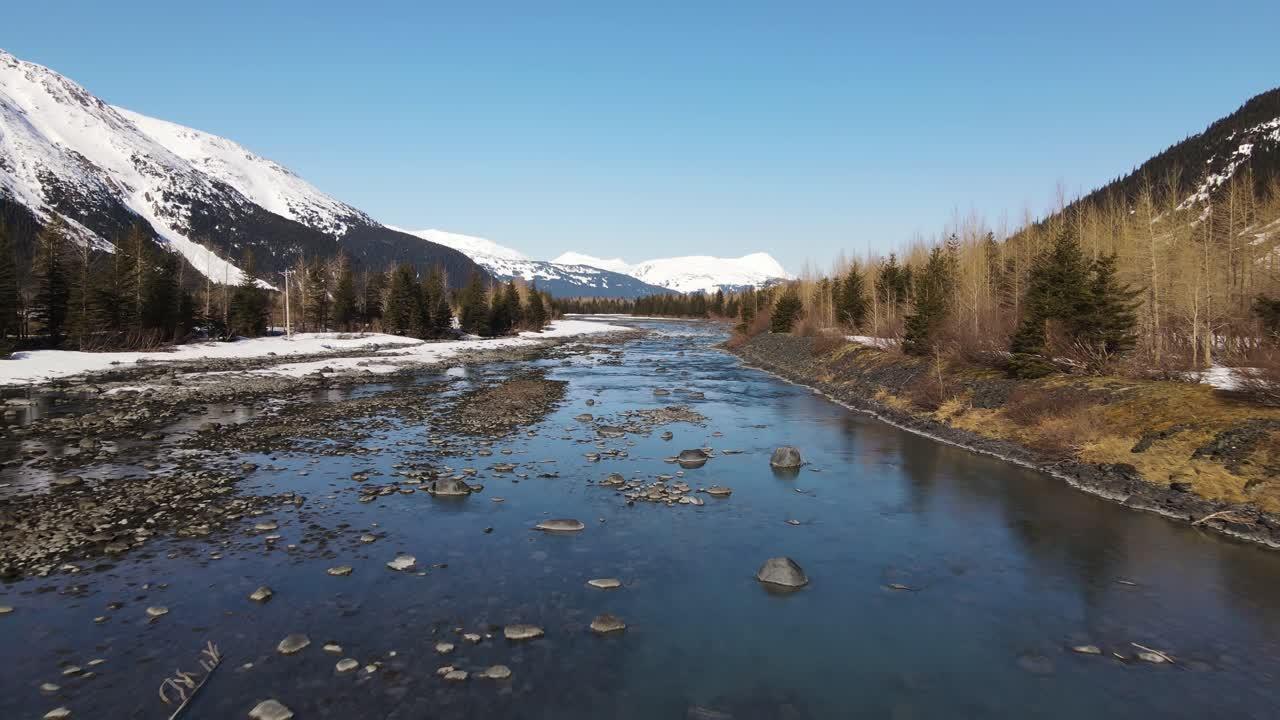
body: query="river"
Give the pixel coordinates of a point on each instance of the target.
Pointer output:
(944, 584)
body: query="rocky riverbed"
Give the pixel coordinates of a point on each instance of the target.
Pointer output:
(606, 528)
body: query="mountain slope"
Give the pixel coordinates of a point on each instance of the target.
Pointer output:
(64, 151)
(560, 279)
(693, 273)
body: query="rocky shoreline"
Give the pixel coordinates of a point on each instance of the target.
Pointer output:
(793, 360)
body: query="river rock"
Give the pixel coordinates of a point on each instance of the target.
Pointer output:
(497, 672)
(782, 571)
(347, 665)
(157, 611)
(560, 526)
(6, 609)
(786, 457)
(58, 714)
(262, 594)
(667, 435)
(456, 675)
(270, 710)
(444, 648)
(402, 563)
(607, 623)
(613, 480)
(339, 571)
(605, 583)
(610, 431)
(448, 487)
(692, 458)
(294, 643)
(719, 491)
(1087, 649)
(522, 631)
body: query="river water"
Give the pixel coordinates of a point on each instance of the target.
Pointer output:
(1007, 570)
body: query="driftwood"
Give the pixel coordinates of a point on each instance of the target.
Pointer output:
(1228, 515)
(1153, 651)
(183, 686)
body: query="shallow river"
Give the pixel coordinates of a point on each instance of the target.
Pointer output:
(1006, 570)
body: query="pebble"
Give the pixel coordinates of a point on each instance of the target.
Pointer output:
(157, 611)
(605, 583)
(50, 688)
(444, 648)
(262, 594)
(340, 571)
(58, 714)
(1087, 649)
(270, 710)
(346, 665)
(456, 675)
(333, 648)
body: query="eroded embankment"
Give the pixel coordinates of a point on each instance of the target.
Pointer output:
(1183, 451)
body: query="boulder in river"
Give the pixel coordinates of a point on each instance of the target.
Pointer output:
(782, 572)
(786, 457)
(448, 487)
(692, 458)
(560, 526)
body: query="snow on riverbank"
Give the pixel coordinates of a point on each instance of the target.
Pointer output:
(31, 368)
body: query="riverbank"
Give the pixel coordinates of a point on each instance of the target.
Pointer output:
(1181, 450)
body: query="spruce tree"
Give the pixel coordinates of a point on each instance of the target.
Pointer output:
(52, 284)
(440, 312)
(851, 298)
(513, 304)
(932, 302)
(249, 303)
(1058, 290)
(315, 286)
(161, 296)
(344, 296)
(403, 313)
(374, 285)
(9, 302)
(536, 312)
(500, 317)
(785, 311)
(1110, 324)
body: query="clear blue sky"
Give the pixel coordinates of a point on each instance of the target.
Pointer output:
(646, 129)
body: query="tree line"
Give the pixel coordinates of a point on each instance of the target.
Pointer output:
(134, 294)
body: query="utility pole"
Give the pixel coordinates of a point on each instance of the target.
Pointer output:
(288, 326)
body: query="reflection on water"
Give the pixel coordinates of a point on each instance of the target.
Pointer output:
(1003, 569)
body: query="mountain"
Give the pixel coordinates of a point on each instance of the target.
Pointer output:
(1247, 140)
(560, 279)
(64, 151)
(693, 273)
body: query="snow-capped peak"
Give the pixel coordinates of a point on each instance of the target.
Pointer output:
(469, 245)
(692, 273)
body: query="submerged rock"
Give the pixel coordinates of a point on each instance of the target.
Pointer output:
(782, 571)
(786, 457)
(521, 631)
(560, 526)
(270, 710)
(607, 623)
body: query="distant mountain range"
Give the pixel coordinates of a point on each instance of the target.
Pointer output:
(103, 168)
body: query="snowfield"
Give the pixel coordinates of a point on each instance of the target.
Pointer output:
(387, 353)
(692, 273)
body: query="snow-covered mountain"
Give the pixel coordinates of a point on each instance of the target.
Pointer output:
(65, 152)
(693, 273)
(560, 279)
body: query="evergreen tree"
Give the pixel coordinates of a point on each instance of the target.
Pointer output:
(344, 296)
(249, 303)
(161, 296)
(52, 284)
(932, 302)
(785, 311)
(718, 304)
(536, 312)
(113, 292)
(1058, 290)
(1110, 324)
(9, 301)
(403, 312)
(474, 313)
(438, 304)
(500, 316)
(374, 285)
(851, 298)
(513, 304)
